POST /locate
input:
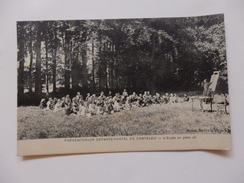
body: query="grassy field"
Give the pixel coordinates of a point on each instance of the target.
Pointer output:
(34, 123)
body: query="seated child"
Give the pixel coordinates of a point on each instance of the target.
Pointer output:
(68, 109)
(58, 106)
(92, 109)
(42, 104)
(186, 98)
(99, 110)
(82, 110)
(50, 104)
(116, 106)
(75, 107)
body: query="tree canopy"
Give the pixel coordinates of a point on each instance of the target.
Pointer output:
(155, 54)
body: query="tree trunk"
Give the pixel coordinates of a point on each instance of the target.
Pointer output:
(106, 75)
(153, 65)
(47, 78)
(30, 66)
(75, 70)
(54, 69)
(38, 83)
(93, 67)
(117, 61)
(21, 61)
(100, 54)
(84, 69)
(67, 62)
(106, 63)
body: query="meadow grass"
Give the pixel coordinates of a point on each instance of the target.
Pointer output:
(158, 119)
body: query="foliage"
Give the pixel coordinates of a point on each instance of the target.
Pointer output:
(137, 54)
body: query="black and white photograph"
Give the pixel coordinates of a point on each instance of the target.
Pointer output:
(121, 91)
(122, 77)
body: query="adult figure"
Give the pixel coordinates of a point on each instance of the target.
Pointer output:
(206, 89)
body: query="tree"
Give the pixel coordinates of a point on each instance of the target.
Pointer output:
(21, 34)
(137, 54)
(38, 81)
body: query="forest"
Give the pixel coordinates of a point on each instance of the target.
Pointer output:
(153, 54)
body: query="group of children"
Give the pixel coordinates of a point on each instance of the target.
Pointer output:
(102, 104)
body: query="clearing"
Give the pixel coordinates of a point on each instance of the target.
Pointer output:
(158, 119)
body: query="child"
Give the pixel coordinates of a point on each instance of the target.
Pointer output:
(106, 108)
(186, 98)
(171, 98)
(82, 109)
(91, 109)
(42, 104)
(75, 106)
(68, 108)
(67, 100)
(167, 98)
(110, 106)
(116, 106)
(50, 104)
(128, 104)
(58, 106)
(175, 98)
(99, 110)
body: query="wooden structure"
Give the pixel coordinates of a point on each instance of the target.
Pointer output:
(211, 99)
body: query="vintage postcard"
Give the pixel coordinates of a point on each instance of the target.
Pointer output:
(116, 85)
